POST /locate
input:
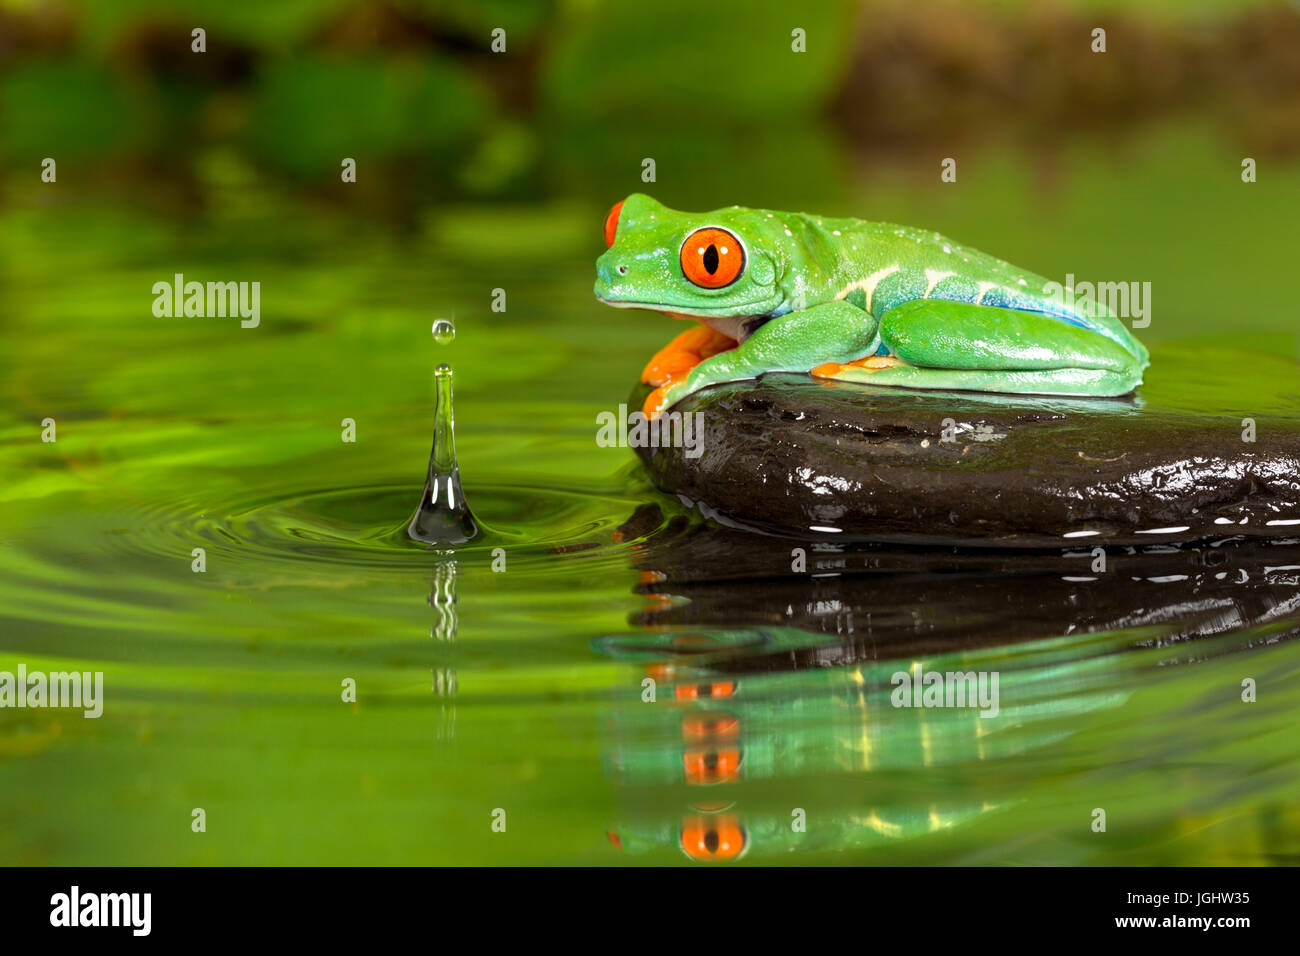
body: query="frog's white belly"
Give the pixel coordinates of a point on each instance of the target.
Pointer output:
(738, 327)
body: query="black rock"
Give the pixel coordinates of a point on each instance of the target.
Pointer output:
(725, 599)
(790, 454)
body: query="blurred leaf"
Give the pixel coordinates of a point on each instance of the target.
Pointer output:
(312, 112)
(259, 24)
(695, 63)
(61, 109)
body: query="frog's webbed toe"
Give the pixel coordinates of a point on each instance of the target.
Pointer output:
(862, 366)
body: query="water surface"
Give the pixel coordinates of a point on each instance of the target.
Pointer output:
(522, 687)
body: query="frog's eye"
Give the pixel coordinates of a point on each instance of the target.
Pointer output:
(722, 688)
(719, 837)
(712, 258)
(709, 765)
(611, 223)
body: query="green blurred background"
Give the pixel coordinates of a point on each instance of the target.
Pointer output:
(481, 170)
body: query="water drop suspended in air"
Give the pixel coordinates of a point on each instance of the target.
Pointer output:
(443, 331)
(443, 517)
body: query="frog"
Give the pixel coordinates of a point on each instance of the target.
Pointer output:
(850, 300)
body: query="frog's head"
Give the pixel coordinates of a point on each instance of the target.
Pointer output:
(721, 263)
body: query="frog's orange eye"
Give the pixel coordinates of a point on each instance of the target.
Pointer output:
(717, 725)
(718, 837)
(710, 765)
(722, 688)
(712, 258)
(611, 223)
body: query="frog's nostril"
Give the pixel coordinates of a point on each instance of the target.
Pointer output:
(622, 270)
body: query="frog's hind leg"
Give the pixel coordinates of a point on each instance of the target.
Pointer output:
(794, 342)
(939, 344)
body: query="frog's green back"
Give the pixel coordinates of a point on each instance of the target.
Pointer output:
(884, 265)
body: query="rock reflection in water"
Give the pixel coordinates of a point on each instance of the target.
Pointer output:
(763, 677)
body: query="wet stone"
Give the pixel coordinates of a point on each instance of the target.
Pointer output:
(788, 454)
(728, 600)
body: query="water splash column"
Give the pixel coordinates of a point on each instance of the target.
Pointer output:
(443, 516)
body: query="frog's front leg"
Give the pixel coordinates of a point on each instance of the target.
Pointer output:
(959, 345)
(676, 359)
(794, 342)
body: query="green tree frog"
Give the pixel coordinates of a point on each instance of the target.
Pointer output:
(849, 300)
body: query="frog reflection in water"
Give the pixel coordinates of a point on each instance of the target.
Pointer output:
(849, 300)
(715, 737)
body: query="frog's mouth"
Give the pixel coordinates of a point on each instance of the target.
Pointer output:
(695, 311)
(738, 327)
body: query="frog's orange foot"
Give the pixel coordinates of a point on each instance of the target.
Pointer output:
(676, 359)
(833, 369)
(663, 396)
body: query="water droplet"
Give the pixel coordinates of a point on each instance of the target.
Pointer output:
(443, 331)
(443, 516)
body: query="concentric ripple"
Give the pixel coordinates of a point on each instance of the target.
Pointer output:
(366, 525)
